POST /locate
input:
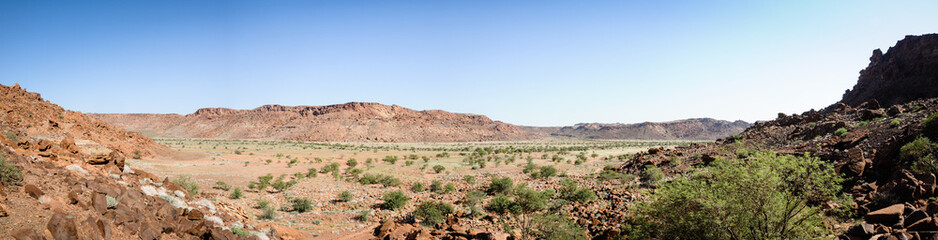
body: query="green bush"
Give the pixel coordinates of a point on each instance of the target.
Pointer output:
(762, 197)
(416, 187)
(364, 215)
(439, 168)
(281, 185)
(547, 171)
(332, 167)
(895, 122)
(571, 192)
(311, 172)
(263, 203)
(502, 204)
(841, 132)
(436, 186)
(930, 126)
(449, 188)
(268, 213)
(469, 179)
(553, 226)
(390, 159)
(395, 200)
(186, 182)
(262, 182)
(345, 196)
(240, 231)
(921, 153)
(652, 176)
(351, 163)
(501, 185)
(301, 204)
(432, 213)
(10, 174)
(236, 194)
(222, 186)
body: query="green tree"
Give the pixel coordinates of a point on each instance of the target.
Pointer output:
(765, 196)
(432, 213)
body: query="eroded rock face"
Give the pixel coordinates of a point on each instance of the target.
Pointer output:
(906, 72)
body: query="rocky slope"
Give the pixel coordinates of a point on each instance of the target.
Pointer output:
(906, 72)
(687, 129)
(860, 136)
(349, 122)
(63, 176)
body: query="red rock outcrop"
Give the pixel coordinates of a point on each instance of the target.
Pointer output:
(349, 122)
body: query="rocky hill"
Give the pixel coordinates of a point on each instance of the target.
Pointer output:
(906, 72)
(869, 142)
(349, 122)
(63, 176)
(687, 129)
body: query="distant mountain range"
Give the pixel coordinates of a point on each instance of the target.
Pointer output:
(687, 129)
(374, 122)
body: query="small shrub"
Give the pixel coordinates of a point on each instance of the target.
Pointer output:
(841, 132)
(390, 159)
(553, 226)
(237, 194)
(432, 213)
(301, 204)
(436, 186)
(263, 203)
(10, 174)
(501, 185)
(395, 200)
(345, 196)
(351, 162)
(408, 163)
(571, 192)
(930, 126)
(895, 123)
(364, 215)
(439, 168)
(921, 153)
(449, 188)
(469, 179)
(652, 176)
(502, 204)
(311, 173)
(416, 187)
(186, 182)
(222, 186)
(546, 172)
(240, 231)
(268, 213)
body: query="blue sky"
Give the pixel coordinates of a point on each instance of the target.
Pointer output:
(523, 62)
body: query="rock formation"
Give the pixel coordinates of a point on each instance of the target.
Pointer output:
(906, 72)
(688, 129)
(349, 122)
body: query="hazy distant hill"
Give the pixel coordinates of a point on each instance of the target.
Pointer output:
(687, 129)
(354, 121)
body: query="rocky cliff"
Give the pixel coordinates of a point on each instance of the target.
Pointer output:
(907, 71)
(349, 122)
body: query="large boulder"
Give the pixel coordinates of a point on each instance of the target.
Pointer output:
(62, 227)
(886, 216)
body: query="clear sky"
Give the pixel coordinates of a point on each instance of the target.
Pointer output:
(540, 63)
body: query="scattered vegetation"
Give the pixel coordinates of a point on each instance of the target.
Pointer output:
(501, 185)
(301, 205)
(345, 196)
(841, 132)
